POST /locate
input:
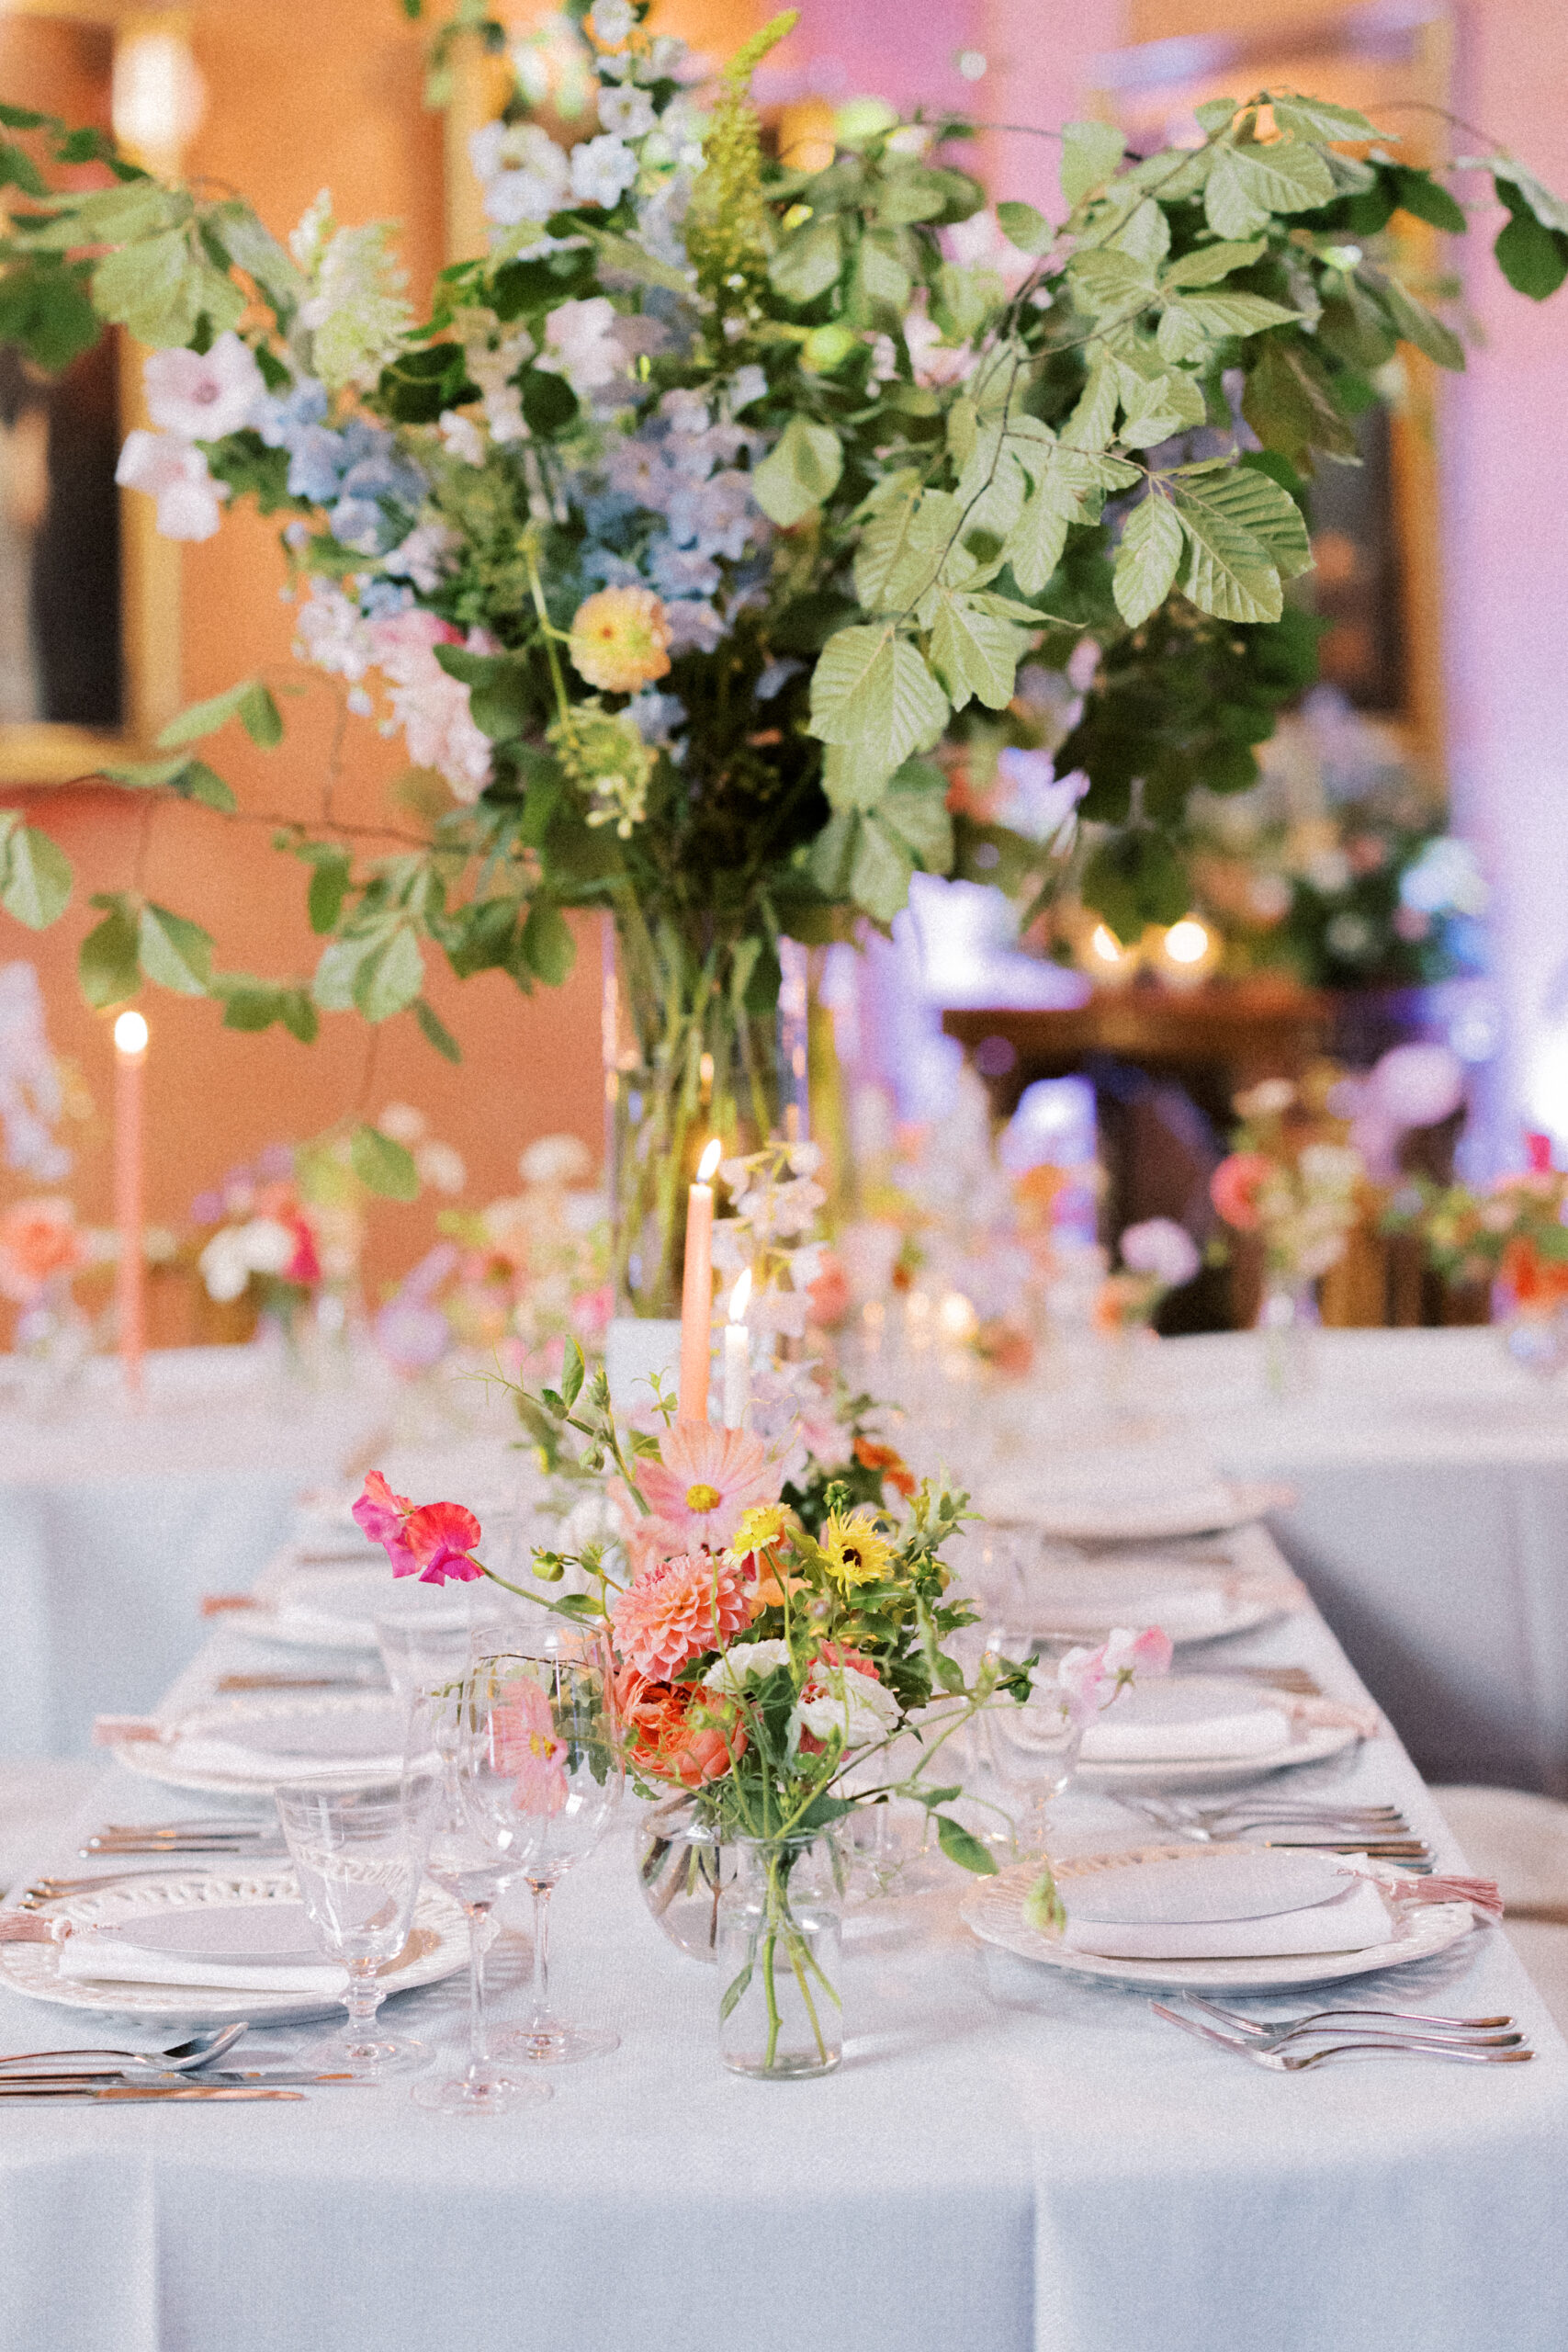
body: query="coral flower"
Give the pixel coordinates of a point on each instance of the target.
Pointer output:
(890, 1462)
(704, 1481)
(676, 1609)
(679, 1732)
(1234, 1185)
(38, 1240)
(620, 639)
(525, 1748)
(1539, 1285)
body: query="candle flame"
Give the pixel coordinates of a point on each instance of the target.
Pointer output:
(131, 1033)
(709, 1161)
(741, 1297)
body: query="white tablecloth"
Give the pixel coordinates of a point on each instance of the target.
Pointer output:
(113, 1525)
(1006, 2161)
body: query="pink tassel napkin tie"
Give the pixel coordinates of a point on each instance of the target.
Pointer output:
(114, 1731)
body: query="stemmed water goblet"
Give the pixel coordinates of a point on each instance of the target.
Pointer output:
(542, 1776)
(466, 1863)
(358, 1855)
(1033, 1743)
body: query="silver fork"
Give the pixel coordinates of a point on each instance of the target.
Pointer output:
(1277, 1808)
(1297, 2062)
(1282, 2029)
(54, 1890)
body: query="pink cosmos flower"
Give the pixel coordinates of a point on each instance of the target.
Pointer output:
(432, 708)
(704, 1482)
(677, 1609)
(525, 1747)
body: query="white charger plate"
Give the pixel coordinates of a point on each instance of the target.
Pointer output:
(1211, 1696)
(438, 1947)
(995, 1913)
(1211, 1510)
(232, 1718)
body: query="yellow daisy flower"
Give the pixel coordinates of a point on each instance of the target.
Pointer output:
(761, 1527)
(855, 1549)
(620, 639)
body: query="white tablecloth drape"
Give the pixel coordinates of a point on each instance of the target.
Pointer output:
(1007, 2160)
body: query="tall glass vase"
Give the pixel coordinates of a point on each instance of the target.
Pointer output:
(1288, 1323)
(699, 1040)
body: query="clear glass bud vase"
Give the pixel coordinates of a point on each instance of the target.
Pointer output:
(698, 1034)
(1287, 1322)
(778, 1923)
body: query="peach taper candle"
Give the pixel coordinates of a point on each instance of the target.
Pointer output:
(696, 1289)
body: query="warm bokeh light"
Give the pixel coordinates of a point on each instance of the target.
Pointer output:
(1105, 945)
(159, 97)
(709, 1163)
(1187, 942)
(131, 1033)
(957, 1317)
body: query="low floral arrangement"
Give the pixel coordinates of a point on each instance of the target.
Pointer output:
(1511, 1236)
(1292, 1179)
(42, 1248)
(1157, 1257)
(509, 1284)
(760, 1660)
(292, 1225)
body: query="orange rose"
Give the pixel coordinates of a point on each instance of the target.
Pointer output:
(39, 1240)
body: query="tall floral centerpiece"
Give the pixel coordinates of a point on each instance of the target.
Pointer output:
(769, 1658)
(1294, 1182)
(1510, 1237)
(687, 521)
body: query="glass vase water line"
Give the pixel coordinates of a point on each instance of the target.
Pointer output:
(779, 1939)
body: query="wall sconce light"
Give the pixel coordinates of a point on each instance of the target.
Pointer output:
(158, 97)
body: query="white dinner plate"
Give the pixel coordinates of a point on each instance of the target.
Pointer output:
(1312, 1743)
(359, 1732)
(1184, 1699)
(995, 1913)
(1213, 1508)
(437, 1948)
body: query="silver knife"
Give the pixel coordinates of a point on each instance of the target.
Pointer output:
(111, 2077)
(123, 2091)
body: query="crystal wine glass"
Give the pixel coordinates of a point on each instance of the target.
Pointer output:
(358, 1855)
(427, 1637)
(542, 1776)
(1033, 1745)
(464, 1863)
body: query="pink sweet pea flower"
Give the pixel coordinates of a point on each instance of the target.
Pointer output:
(441, 1536)
(1234, 1185)
(1089, 1680)
(706, 1479)
(305, 1266)
(380, 1514)
(525, 1747)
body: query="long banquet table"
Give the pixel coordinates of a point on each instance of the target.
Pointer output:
(1007, 2159)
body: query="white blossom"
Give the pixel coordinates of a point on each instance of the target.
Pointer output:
(601, 170)
(750, 1662)
(628, 114)
(333, 633)
(610, 22)
(462, 437)
(190, 503)
(580, 343)
(202, 396)
(425, 556)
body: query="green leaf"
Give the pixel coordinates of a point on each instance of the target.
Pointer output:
(387, 980)
(549, 946)
(873, 692)
(1320, 118)
(258, 252)
(25, 118)
(18, 170)
(1210, 262)
(297, 1015)
(260, 716)
(1416, 325)
(959, 1847)
(914, 808)
(1248, 185)
(800, 472)
(911, 192)
(37, 885)
(1093, 421)
(499, 702)
(108, 967)
(1091, 153)
(196, 781)
(1424, 199)
(45, 310)
(248, 1006)
(880, 283)
(206, 717)
(1290, 404)
(383, 1166)
(333, 987)
(154, 288)
(1035, 544)
(733, 1991)
(1546, 205)
(1533, 259)
(328, 886)
(629, 259)
(174, 951)
(1104, 280)
(1257, 503)
(1146, 563)
(436, 1031)
(1228, 571)
(1025, 228)
(1215, 114)
(1134, 879)
(808, 261)
(1043, 1906)
(880, 867)
(1223, 314)
(975, 654)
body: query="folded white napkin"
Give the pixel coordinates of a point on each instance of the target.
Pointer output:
(280, 1744)
(1348, 1922)
(1087, 1607)
(225, 1759)
(1186, 1719)
(235, 1948)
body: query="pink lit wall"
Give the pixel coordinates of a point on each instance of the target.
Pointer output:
(1505, 452)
